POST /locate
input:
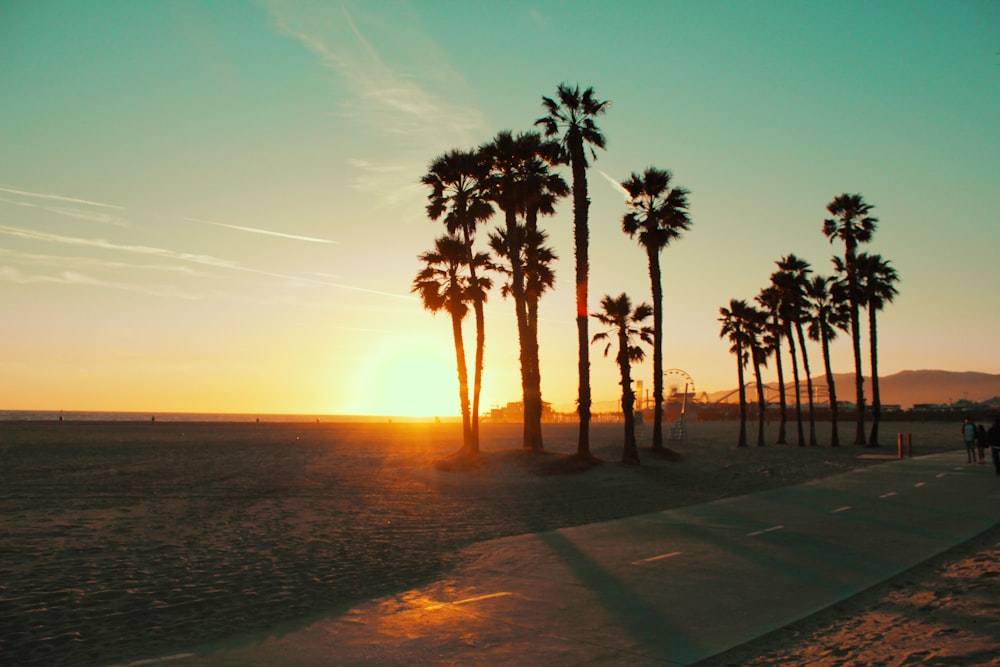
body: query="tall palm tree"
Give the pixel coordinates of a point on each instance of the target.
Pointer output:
(658, 214)
(852, 223)
(521, 185)
(784, 283)
(769, 300)
(793, 275)
(828, 311)
(457, 181)
(538, 276)
(625, 324)
(442, 285)
(571, 116)
(877, 282)
(734, 326)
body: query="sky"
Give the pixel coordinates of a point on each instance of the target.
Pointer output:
(216, 206)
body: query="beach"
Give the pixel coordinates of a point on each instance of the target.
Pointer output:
(129, 541)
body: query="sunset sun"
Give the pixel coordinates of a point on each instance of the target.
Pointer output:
(412, 378)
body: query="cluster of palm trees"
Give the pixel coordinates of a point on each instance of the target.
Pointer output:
(515, 174)
(797, 304)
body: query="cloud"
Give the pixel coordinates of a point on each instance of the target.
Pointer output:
(55, 197)
(399, 86)
(31, 235)
(62, 261)
(72, 212)
(205, 260)
(10, 274)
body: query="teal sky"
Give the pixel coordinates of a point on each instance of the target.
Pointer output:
(216, 206)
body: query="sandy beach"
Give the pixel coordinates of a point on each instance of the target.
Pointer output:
(129, 541)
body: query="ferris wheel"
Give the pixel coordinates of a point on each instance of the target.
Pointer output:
(676, 381)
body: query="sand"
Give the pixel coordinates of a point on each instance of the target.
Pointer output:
(129, 541)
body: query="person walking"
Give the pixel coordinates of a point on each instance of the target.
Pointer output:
(969, 436)
(993, 438)
(981, 443)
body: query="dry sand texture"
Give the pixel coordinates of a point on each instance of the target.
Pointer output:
(126, 541)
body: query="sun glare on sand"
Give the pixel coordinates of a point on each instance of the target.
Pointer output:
(411, 378)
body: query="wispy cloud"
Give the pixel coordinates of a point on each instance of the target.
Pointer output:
(47, 203)
(93, 263)
(204, 260)
(47, 237)
(13, 275)
(264, 232)
(391, 70)
(55, 197)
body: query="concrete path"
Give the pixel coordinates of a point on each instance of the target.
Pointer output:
(669, 588)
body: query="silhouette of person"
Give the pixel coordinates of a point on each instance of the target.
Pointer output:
(969, 435)
(993, 438)
(981, 442)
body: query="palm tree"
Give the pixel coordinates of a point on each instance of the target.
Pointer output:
(572, 116)
(538, 276)
(769, 300)
(658, 215)
(625, 322)
(442, 285)
(458, 193)
(521, 185)
(734, 325)
(784, 283)
(852, 224)
(827, 312)
(793, 275)
(877, 283)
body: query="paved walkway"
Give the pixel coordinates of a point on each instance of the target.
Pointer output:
(669, 588)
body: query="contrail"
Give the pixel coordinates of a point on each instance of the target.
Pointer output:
(265, 232)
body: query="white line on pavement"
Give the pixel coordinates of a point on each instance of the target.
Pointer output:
(656, 558)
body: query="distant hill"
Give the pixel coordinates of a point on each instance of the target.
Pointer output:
(908, 388)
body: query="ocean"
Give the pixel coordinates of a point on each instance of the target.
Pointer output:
(211, 417)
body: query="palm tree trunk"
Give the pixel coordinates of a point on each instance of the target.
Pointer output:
(514, 242)
(477, 382)
(809, 384)
(477, 373)
(655, 278)
(798, 387)
(761, 401)
(831, 388)
(859, 378)
(581, 206)
(782, 399)
(630, 453)
(876, 399)
(743, 398)
(463, 381)
(534, 367)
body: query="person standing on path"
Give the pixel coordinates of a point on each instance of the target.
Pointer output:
(969, 435)
(993, 439)
(981, 442)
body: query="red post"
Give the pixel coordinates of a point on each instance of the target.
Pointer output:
(899, 444)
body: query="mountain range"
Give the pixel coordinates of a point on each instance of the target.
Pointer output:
(909, 388)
